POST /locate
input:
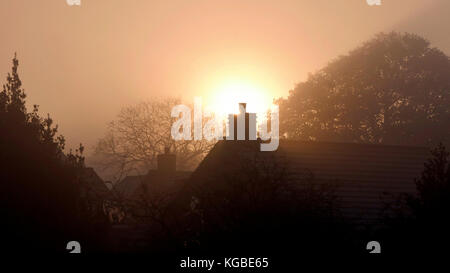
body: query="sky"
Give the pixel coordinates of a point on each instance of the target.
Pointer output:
(82, 64)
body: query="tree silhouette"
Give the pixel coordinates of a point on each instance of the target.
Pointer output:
(139, 134)
(393, 89)
(40, 200)
(434, 184)
(420, 223)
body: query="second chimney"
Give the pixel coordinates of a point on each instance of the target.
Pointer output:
(167, 162)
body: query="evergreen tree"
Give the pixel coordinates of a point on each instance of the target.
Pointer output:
(40, 186)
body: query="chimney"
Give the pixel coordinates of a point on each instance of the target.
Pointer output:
(243, 122)
(242, 107)
(167, 162)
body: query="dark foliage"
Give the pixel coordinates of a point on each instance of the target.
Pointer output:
(248, 205)
(256, 208)
(40, 202)
(419, 224)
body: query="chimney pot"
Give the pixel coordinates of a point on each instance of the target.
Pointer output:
(242, 107)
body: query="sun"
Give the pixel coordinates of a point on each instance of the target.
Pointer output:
(226, 97)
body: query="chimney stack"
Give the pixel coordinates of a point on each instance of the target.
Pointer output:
(167, 162)
(244, 123)
(242, 107)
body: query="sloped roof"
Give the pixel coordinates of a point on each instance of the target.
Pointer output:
(95, 185)
(129, 187)
(363, 173)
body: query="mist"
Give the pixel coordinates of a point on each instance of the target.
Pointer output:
(84, 63)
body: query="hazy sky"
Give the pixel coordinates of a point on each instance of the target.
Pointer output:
(83, 63)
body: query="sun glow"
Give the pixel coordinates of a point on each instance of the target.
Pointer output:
(226, 98)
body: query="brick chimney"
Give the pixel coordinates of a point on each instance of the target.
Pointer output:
(167, 162)
(243, 122)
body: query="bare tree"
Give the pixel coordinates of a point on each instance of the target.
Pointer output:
(139, 134)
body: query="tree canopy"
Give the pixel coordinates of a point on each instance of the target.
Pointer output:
(393, 89)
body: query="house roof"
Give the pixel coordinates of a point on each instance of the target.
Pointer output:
(129, 187)
(95, 185)
(363, 173)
